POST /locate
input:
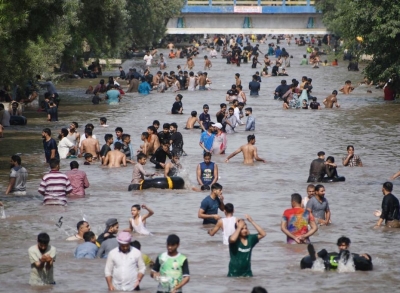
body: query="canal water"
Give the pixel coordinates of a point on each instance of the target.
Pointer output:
(288, 139)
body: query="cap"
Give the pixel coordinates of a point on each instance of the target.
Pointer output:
(205, 106)
(111, 222)
(124, 238)
(218, 125)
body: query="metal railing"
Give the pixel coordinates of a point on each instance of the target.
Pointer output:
(250, 2)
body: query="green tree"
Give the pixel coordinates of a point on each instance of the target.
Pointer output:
(377, 22)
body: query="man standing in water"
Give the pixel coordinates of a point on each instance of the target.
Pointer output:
(115, 157)
(78, 179)
(310, 194)
(390, 208)
(351, 160)
(209, 206)
(318, 168)
(295, 222)
(319, 207)
(124, 267)
(249, 151)
(331, 100)
(49, 145)
(55, 185)
(207, 172)
(227, 224)
(241, 244)
(42, 257)
(90, 145)
(18, 177)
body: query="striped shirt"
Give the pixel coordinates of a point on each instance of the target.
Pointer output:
(54, 187)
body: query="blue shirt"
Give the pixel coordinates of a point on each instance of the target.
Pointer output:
(86, 250)
(251, 123)
(144, 88)
(113, 96)
(207, 172)
(207, 140)
(210, 207)
(254, 87)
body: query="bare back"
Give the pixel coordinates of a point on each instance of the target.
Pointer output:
(249, 153)
(90, 145)
(115, 158)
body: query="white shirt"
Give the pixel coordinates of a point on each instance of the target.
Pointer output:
(148, 59)
(64, 146)
(124, 268)
(236, 112)
(228, 224)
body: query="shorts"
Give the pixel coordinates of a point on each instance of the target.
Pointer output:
(202, 87)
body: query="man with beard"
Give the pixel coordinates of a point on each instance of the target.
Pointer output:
(319, 207)
(42, 257)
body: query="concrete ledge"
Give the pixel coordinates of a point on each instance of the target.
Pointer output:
(229, 31)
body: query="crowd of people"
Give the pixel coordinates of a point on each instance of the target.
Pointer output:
(125, 265)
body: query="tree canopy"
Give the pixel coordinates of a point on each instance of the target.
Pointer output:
(377, 22)
(36, 35)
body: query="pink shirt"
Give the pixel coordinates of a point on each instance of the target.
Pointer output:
(78, 181)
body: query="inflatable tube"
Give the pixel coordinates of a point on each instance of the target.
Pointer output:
(159, 182)
(336, 179)
(18, 120)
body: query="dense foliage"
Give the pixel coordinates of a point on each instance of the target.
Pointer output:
(377, 22)
(38, 35)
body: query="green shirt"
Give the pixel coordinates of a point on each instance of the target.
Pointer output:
(240, 263)
(172, 269)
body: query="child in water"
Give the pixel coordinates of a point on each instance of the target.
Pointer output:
(137, 222)
(192, 120)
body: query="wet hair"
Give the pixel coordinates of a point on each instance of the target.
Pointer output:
(350, 146)
(125, 135)
(191, 73)
(259, 289)
(330, 158)
(334, 92)
(304, 77)
(145, 134)
(193, 113)
(156, 122)
(117, 145)
(318, 187)
(173, 239)
(166, 125)
(103, 119)
(205, 57)
(309, 80)
(87, 236)
(43, 238)
(64, 132)
(388, 186)
(231, 108)
(88, 131)
(174, 125)
(47, 130)
(223, 105)
(136, 244)
(101, 81)
(16, 158)
(321, 153)
(88, 155)
(107, 137)
(343, 239)
(314, 99)
(74, 165)
(207, 154)
(174, 154)
(347, 81)
(136, 206)
(141, 156)
(241, 104)
(283, 81)
(250, 137)
(180, 97)
(237, 74)
(118, 129)
(240, 86)
(304, 56)
(216, 186)
(89, 125)
(250, 109)
(233, 86)
(254, 76)
(228, 208)
(310, 185)
(152, 128)
(54, 163)
(79, 224)
(75, 123)
(296, 198)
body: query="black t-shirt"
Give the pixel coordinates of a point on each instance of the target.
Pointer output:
(206, 120)
(248, 48)
(232, 92)
(390, 208)
(176, 107)
(177, 141)
(160, 157)
(163, 136)
(314, 105)
(275, 70)
(182, 81)
(104, 150)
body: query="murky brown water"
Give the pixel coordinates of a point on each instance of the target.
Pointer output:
(289, 140)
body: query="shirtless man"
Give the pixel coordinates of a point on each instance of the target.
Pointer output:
(115, 157)
(249, 151)
(192, 120)
(73, 135)
(347, 88)
(202, 81)
(189, 64)
(90, 145)
(156, 80)
(330, 100)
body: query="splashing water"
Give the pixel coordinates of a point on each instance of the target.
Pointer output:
(318, 265)
(2, 212)
(346, 267)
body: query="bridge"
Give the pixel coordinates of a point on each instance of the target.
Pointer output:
(247, 17)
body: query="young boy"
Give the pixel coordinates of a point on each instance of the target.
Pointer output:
(177, 107)
(139, 173)
(144, 148)
(146, 259)
(138, 223)
(109, 139)
(192, 120)
(171, 268)
(88, 249)
(127, 148)
(227, 224)
(207, 63)
(103, 122)
(153, 140)
(241, 244)
(88, 159)
(347, 88)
